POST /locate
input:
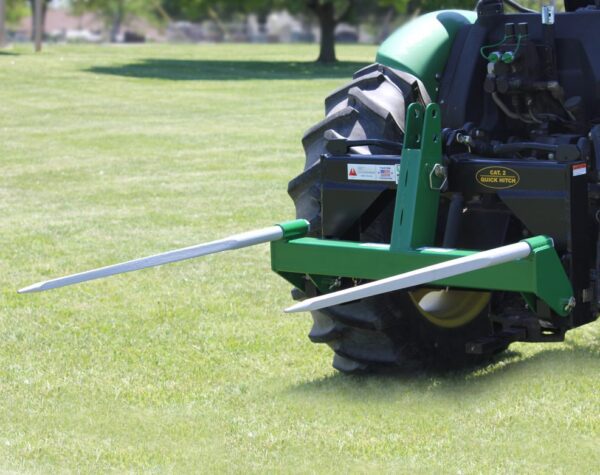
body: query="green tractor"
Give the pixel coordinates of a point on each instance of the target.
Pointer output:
(449, 203)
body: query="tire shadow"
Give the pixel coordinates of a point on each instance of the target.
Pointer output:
(220, 70)
(510, 366)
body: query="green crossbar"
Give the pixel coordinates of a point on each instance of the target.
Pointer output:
(323, 261)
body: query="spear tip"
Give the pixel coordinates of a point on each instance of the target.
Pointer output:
(37, 287)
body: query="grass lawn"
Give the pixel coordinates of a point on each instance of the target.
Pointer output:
(111, 153)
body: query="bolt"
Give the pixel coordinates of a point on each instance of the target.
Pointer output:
(336, 284)
(464, 139)
(570, 304)
(440, 171)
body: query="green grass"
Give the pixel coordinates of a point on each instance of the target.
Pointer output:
(110, 153)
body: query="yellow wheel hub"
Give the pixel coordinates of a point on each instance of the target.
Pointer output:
(449, 308)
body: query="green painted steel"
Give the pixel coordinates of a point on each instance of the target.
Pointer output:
(418, 193)
(294, 229)
(422, 46)
(323, 261)
(549, 277)
(539, 277)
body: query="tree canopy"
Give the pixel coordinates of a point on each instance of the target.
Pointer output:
(328, 13)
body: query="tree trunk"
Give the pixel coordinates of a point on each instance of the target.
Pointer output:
(262, 18)
(327, 22)
(117, 21)
(32, 8)
(44, 10)
(38, 21)
(2, 23)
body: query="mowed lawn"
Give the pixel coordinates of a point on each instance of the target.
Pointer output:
(110, 153)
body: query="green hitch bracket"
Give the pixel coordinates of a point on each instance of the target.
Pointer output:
(421, 177)
(550, 281)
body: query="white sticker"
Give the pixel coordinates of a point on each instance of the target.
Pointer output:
(368, 172)
(579, 169)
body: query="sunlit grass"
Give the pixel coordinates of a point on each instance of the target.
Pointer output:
(110, 153)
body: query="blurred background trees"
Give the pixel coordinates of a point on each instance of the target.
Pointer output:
(113, 12)
(327, 17)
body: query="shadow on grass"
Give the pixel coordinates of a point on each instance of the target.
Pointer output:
(510, 364)
(211, 70)
(8, 53)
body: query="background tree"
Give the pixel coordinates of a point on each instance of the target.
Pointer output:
(114, 12)
(328, 13)
(11, 11)
(32, 10)
(217, 10)
(15, 10)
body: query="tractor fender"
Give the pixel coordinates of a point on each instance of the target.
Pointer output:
(421, 47)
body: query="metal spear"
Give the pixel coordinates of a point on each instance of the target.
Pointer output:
(461, 265)
(237, 241)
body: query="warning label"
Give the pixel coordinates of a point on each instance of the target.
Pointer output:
(368, 172)
(579, 169)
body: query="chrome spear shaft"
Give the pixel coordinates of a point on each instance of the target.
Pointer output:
(443, 270)
(288, 229)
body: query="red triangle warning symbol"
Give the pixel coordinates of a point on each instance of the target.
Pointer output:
(352, 172)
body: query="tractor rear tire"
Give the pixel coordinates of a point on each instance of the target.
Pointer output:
(387, 330)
